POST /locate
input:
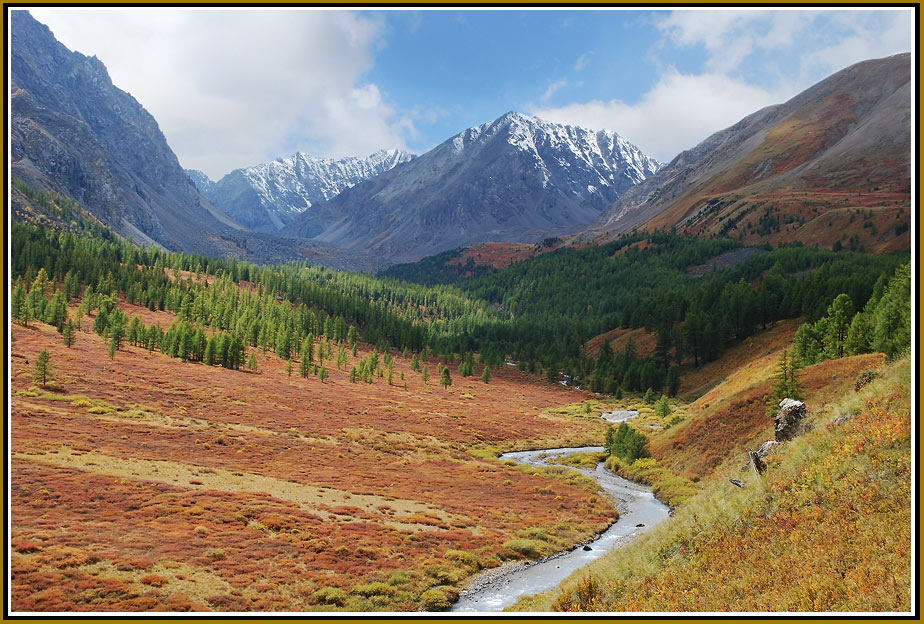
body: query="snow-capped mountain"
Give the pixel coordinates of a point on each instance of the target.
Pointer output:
(267, 197)
(517, 178)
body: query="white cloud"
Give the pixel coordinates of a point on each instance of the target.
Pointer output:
(753, 58)
(231, 88)
(552, 88)
(827, 41)
(676, 114)
(582, 62)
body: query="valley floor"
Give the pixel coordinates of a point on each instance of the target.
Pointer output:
(144, 483)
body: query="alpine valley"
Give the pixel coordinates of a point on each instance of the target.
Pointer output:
(459, 379)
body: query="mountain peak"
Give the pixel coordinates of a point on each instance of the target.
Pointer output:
(268, 196)
(515, 179)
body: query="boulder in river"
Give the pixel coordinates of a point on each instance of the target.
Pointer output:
(788, 419)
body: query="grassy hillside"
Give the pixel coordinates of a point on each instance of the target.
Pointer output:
(826, 528)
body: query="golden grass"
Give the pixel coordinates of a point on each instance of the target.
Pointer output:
(826, 528)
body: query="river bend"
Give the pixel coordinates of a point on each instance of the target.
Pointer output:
(639, 511)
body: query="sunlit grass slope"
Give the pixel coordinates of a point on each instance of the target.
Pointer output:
(826, 528)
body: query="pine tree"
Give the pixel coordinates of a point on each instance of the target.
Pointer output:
(68, 334)
(425, 374)
(839, 314)
(486, 374)
(322, 374)
(42, 373)
(252, 365)
(445, 379)
(415, 363)
(304, 366)
(289, 367)
(785, 383)
(662, 407)
(18, 302)
(649, 396)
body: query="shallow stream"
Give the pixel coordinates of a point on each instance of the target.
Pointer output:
(639, 511)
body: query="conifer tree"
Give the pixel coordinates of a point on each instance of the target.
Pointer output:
(785, 383)
(42, 373)
(486, 374)
(662, 407)
(18, 302)
(68, 334)
(445, 379)
(253, 362)
(304, 365)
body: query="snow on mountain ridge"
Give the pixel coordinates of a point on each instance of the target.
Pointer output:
(266, 197)
(516, 178)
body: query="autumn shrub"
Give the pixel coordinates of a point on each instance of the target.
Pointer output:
(330, 596)
(434, 600)
(463, 557)
(375, 588)
(530, 548)
(672, 490)
(401, 577)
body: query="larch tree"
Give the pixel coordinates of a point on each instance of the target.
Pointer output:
(42, 373)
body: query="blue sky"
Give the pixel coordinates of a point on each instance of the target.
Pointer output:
(231, 88)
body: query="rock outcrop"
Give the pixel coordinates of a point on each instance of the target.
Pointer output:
(789, 419)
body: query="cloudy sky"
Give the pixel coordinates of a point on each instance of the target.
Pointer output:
(232, 88)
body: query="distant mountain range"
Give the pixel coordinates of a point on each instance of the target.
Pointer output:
(831, 164)
(831, 167)
(517, 178)
(267, 197)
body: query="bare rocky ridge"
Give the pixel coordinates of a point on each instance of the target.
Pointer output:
(516, 179)
(74, 133)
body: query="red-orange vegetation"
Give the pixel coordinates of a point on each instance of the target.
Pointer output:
(618, 338)
(180, 486)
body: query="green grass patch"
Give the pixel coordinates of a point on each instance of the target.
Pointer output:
(670, 489)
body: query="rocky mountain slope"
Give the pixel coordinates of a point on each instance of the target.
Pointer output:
(830, 165)
(268, 196)
(514, 179)
(75, 133)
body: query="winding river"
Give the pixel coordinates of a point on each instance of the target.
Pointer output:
(639, 511)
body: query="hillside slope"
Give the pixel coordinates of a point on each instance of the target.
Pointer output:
(75, 133)
(830, 165)
(827, 528)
